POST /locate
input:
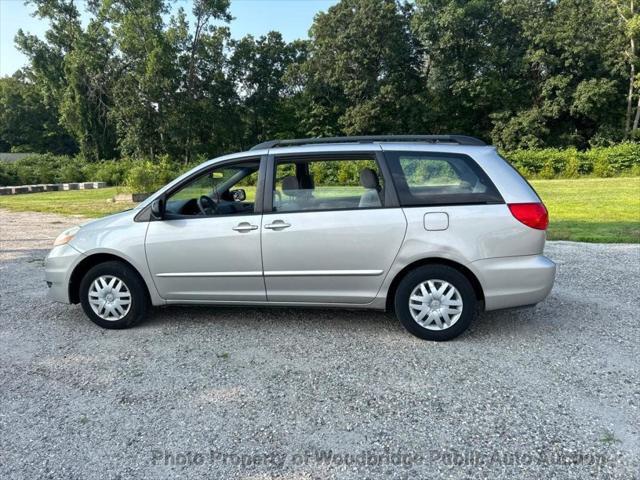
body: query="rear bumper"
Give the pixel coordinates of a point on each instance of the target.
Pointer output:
(515, 281)
(57, 271)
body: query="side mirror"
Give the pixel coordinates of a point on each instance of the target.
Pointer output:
(239, 195)
(157, 208)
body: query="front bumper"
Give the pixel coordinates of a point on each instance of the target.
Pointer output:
(58, 267)
(515, 281)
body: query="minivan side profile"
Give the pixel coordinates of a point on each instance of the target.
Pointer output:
(433, 228)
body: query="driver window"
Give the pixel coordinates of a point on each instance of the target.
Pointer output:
(226, 190)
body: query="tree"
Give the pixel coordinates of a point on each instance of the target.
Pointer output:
(169, 74)
(264, 71)
(71, 69)
(575, 73)
(144, 78)
(46, 57)
(472, 63)
(27, 123)
(147, 78)
(202, 111)
(630, 24)
(363, 70)
(90, 71)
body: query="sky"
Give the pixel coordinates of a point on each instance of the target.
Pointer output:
(292, 18)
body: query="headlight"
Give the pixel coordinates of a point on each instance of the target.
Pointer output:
(66, 236)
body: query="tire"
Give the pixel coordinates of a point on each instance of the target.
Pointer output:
(432, 307)
(125, 303)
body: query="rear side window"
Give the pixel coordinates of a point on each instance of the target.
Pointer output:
(308, 184)
(426, 178)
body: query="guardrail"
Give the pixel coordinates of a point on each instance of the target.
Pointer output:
(50, 187)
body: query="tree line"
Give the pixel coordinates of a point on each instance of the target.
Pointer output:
(144, 79)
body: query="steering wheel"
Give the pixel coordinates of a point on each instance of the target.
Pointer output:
(206, 205)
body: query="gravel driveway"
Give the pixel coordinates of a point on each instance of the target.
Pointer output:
(550, 392)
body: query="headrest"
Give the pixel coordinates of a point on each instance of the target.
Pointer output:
(369, 178)
(289, 185)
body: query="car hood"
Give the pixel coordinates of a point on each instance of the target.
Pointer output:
(105, 232)
(115, 219)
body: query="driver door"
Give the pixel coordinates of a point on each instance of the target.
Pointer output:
(208, 249)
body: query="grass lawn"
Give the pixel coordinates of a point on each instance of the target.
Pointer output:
(88, 203)
(603, 210)
(586, 209)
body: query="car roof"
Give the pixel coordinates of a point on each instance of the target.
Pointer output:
(432, 139)
(367, 143)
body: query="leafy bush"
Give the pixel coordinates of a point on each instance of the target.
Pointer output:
(48, 168)
(70, 170)
(8, 174)
(621, 159)
(572, 166)
(147, 177)
(114, 172)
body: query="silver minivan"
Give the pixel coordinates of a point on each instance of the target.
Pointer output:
(434, 228)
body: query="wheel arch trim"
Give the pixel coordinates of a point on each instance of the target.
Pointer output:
(465, 270)
(94, 257)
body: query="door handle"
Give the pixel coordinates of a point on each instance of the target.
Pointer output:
(244, 227)
(277, 225)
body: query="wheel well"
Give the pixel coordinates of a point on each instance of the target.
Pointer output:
(83, 267)
(475, 283)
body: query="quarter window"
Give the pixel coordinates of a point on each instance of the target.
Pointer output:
(327, 184)
(424, 178)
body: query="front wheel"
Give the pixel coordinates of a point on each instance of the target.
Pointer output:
(435, 302)
(113, 295)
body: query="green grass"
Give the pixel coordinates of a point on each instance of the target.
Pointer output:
(587, 209)
(605, 210)
(88, 203)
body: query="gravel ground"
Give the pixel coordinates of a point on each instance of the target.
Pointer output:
(550, 392)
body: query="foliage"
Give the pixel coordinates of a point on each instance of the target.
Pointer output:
(147, 176)
(46, 168)
(113, 172)
(27, 123)
(362, 70)
(573, 76)
(143, 78)
(569, 163)
(138, 175)
(268, 91)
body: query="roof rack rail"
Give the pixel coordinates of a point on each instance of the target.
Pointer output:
(456, 139)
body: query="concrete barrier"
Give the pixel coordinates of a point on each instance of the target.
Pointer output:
(50, 187)
(131, 197)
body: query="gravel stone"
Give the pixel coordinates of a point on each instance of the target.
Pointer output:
(548, 392)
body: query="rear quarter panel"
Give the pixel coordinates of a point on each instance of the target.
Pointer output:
(475, 232)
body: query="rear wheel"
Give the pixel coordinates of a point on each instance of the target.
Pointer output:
(435, 302)
(113, 295)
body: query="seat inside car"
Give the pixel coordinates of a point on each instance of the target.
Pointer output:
(372, 196)
(299, 197)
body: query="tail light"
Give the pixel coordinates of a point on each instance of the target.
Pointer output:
(533, 215)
